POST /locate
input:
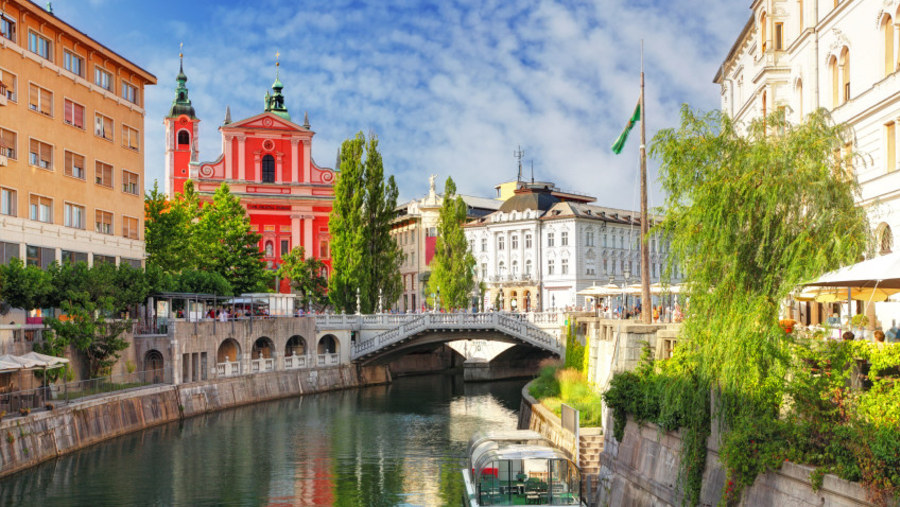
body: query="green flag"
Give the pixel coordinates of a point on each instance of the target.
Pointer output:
(620, 142)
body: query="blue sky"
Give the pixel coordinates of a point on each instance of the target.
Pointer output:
(450, 87)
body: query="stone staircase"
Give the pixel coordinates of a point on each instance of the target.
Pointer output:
(590, 445)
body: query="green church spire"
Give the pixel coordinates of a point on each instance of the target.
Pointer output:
(275, 101)
(182, 103)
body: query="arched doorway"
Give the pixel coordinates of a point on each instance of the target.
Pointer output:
(513, 301)
(328, 350)
(262, 356)
(154, 367)
(295, 352)
(228, 358)
(527, 301)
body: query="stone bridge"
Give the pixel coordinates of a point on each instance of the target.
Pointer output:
(379, 338)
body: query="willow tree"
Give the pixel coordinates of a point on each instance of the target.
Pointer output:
(452, 267)
(750, 215)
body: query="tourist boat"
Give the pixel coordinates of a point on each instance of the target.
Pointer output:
(519, 468)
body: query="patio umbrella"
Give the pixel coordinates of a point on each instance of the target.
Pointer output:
(23, 362)
(658, 288)
(48, 361)
(595, 291)
(882, 272)
(8, 366)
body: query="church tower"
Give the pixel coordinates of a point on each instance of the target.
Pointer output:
(182, 129)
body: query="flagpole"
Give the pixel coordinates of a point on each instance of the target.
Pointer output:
(646, 315)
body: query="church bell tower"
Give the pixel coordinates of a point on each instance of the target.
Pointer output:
(182, 128)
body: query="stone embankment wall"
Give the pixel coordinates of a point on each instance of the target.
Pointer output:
(534, 416)
(27, 441)
(642, 469)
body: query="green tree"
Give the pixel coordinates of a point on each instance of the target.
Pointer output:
(87, 328)
(202, 282)
(26, 287)
(452, 267)
(364, 256)
(306, 277)
(225, 244)
(168, 228)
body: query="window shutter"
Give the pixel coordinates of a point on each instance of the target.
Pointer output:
(34, 95)
(70, 162)
(79, 116)
(70, 116)
(35, 147)
(46, 102)
(46, 153)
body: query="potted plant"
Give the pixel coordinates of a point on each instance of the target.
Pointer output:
(24, 411)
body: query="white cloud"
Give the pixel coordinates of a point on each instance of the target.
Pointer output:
(450, 87)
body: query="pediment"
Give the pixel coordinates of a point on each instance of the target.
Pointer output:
(267, 121)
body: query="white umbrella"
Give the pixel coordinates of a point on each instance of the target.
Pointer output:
(595, 291)
(882, 272)
(48, 361)
(8, 366)
(658, 288)
(23, 362)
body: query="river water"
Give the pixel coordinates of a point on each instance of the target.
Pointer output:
(400, 444)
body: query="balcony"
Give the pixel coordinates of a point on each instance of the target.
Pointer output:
(519, 277)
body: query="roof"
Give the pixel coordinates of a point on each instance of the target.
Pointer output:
(737, 43)
(481, 202)
(529, 199)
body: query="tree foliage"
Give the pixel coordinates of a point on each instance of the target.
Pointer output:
(364, 256)
(90, 331)
(167, 234)
(749, 217)
(306, 277)
(452, 267)
(27, 287)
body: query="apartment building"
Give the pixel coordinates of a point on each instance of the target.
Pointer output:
(71, 143)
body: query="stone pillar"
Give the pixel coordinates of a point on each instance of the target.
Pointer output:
(279, 166)
(295, 231)
(307, 171)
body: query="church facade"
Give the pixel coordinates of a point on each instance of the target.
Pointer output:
(266, 160)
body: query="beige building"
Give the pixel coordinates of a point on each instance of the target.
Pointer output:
(71, 143)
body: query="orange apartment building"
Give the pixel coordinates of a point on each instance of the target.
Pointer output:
(71, 143)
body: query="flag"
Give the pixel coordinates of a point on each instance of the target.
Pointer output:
(620, 142)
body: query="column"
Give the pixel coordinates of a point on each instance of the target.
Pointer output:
(308, 235)
(279, 166)
(295, 231)
(242, 173)
(307, 172)
(229, 163)
(295, 160)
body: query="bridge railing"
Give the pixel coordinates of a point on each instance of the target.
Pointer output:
(513, 324)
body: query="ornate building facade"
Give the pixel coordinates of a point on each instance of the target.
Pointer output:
(841, 55)
(267, 161)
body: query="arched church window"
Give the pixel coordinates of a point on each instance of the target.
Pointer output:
(184, 137)
(268, 169)
(885, 240)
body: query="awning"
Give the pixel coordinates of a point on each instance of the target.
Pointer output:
(34, 360)
(882, 272)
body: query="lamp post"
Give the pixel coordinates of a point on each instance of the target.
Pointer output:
(627, 274)
(357, 301)
(433, 303)
(501, 300)
(438, 301)
(553, 302)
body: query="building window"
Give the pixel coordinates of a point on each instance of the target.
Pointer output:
(8, 202)
(40, 100)
(130, 228)
(39, 45)
(73, 63)
(500, 242)
(285, 247)
(564, 238)
(74, 165)
(484, 244)
(103, 222)
(515, 268)
(39, 256)
(41, 209)
(103, 174)
(564, 267)
(8, 85)
(514, 242)
(71, 257)
(835, 81)
(324, 249)
(550, 239)
(268, 169)
(528, 241)
(528, 267)
(779, 36)
(183, 137)
(103, 127)
(40, 154)
(102, 79)
(130, 138)
(845, 73)
(550, 266)
(8, 143)
(8, 28)
(109, 259)
(130, 183)
(74, 114)
(501, 268)
(129, 93)
(885, 240)
(73, 216)
(890, 152)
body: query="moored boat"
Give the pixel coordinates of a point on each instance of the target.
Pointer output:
(519, 468)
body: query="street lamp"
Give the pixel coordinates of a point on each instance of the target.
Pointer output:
(627, 274)
(438, 301)
(501, 300)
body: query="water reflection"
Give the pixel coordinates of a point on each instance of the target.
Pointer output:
(401, 444)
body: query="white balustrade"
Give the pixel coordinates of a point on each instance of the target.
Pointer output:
(228, 369)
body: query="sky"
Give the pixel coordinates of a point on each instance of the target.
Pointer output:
(450, 87)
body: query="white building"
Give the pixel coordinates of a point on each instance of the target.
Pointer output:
(544, 245)
(843, 55)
